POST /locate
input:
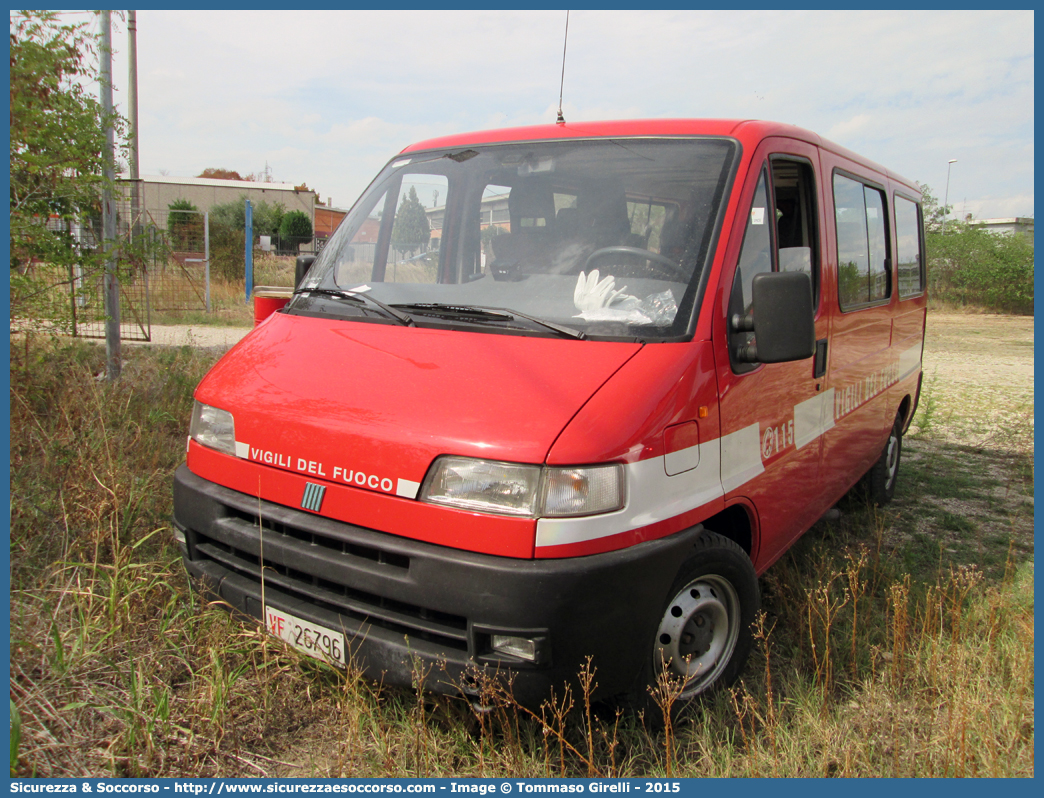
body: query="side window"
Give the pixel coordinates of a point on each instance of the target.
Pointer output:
(863, 273)
(781, 234)
(794, 185)
(756, 255)
(755, 258)
(908, 247)
(878, 238)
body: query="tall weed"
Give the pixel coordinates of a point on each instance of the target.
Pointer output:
(862, 667)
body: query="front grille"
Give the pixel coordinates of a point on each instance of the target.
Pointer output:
(334, 544)
(292, 565)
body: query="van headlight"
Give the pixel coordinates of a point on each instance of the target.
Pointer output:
(213, 428)
(524, 490)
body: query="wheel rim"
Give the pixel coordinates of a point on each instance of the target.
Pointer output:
(698, 633)
(892, 459)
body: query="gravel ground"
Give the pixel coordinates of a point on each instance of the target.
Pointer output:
(204, 336)
(201, 335)
(967, 470)
(978, 379)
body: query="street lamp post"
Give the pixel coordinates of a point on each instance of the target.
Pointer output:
(946, 197)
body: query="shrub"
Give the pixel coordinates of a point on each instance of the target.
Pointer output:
(185, 225)
(269, 218)
(295, 225)
(969, 266)
(227, 252)
(266, 218)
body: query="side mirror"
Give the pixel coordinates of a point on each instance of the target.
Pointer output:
(304, 263)
(782, 319)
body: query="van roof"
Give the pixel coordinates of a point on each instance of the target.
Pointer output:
(749, 132)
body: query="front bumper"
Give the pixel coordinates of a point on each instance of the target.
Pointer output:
(410, 608)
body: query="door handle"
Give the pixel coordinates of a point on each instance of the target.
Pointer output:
(819, 368)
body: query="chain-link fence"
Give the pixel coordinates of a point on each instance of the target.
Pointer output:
(162, 261)
(165, 262)
(131, 260)
(180, 274)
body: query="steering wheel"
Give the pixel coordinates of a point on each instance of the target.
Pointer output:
(654, 257)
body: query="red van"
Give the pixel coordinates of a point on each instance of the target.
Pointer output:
(561, 392)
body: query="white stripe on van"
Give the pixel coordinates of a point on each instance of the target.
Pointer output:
(407, 488)
(651, 496)
(682, 460)
(910, 360)
(741, 457)
(725, 464)
(813, 417)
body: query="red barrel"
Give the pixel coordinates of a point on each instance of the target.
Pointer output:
(267, 300)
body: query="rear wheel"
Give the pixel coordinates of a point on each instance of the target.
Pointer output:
(884, 474)
(703, 637)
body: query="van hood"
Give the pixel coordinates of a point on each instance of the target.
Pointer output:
(339, 399)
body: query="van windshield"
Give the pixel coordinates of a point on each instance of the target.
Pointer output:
(609, 237)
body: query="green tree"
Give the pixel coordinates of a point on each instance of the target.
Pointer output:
(933, 212)
(411, 229)
(269, 218)
(227, 223)
(969, 266)
(295, 228)
(266, 217)
(229, 214)
(56, 164)
(185, 225)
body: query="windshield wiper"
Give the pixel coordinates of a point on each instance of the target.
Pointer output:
(480, 314)
(444, 311)
(561, 329)
(362, 298)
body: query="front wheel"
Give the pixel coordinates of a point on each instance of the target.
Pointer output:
(703, 637)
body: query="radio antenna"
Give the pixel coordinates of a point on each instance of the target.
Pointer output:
(561, 86)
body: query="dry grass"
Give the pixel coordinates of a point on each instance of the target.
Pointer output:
(879, 653)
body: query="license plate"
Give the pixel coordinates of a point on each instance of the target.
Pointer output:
(311, 638)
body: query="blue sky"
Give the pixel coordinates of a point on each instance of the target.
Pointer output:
(327, 97)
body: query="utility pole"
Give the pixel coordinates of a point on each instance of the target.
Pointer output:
(946, 196)
(132, 110)
(248, 253)
(112, 283)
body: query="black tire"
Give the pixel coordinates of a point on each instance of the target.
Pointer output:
(883, 475)
(704, 633)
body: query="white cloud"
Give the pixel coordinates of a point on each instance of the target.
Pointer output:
(850, 127)
(328, 96)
